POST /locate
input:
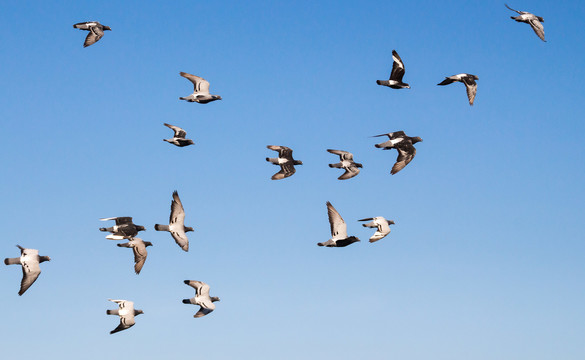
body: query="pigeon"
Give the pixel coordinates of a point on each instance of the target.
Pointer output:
(468, 80)
(139, 248)
(339, 236)
(96, 31)
(531, 19)
(179, 137)
(284, 160)
(30, 260)
(176, 224)
(347, 163)
(395, 81)
(201, 91)
(124, 228)
(126, 313)
(201, 298)
(381, 224)
(404, 145)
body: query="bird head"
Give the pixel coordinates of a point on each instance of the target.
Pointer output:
(140, 228)
(298, 162)
(359, 165)
(416, 139)
(138, 312)
(214, 299)
(217, 97)
(188, 228)
(391, 222)
(107, 28)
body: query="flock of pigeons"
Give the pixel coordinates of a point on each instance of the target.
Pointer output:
(125, 229)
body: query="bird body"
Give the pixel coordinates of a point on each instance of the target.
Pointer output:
(468, 80)
(339, 236)
(201, 298)
(201, 90)
(126, 312)
(179, 136)
(29, 260)
(284, 160)
(139, 248)
(404, 144)
(534, 21)
(395, 80)
(96, 31)
(124, 228)
(346, 162)
(382, 227)
(176, 225)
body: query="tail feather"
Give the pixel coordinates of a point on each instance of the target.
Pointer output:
(159, 227)
(383, 82)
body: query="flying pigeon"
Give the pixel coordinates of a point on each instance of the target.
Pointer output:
(179, 137)
(382, 226)
(339, 236)
(405, 146)
(284, 160)
(176, 225)
(96, 31)
(531, 19)
(30, 260)
(126, 313)
(139, 248)
(201, 298)
(124, 228)
(346, 162)
(468, 80)
(201, 91)
(395, 81)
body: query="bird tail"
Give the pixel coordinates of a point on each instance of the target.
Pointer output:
(383, 82)
(159, 227)
(320, 244)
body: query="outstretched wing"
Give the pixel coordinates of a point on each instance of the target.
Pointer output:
(350, 172)
(200, 85)
(177, 223)
(397, 67)
(179, 133)
(286, 170)
(140, 255)
(95, 34)
(519, 12)
(405, 155)
(471, 87)
(30, 273)
(338, 226)
(203, 311)
(538, 28)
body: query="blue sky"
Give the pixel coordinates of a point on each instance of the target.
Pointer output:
(485, 260)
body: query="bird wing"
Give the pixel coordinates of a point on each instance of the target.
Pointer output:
(406, 153)
(471, 87)
(126, 321)
(338, 226)
(203, 311)
(201, 288)
(177, 211)
(519, 12)
(179, 133)
(200, 85)
(30, 272)
(286, 170)
(140, 255)
(343, 155)
(350, 172)
(95, 34)
(538, 28)
(397, 67)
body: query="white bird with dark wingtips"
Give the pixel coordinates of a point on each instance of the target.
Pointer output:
(468, 80)
(405, 146)
(126, 313)
(139, 248)
(395, 81)
(124, 228)
(201, 298)
(530, 19)
(96, 31)
(176, 224)
(346, 162)
(201, 90)
(179, 136)
(382, 226)
(29, 260)
(284, 160)
(339, 236)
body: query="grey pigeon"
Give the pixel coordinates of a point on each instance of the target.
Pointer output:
(179, 136)
(381, 225)
(339, 236)
(96, 31)
(531, 19)
(346, 162)
(124, 228)
(468, 80)
(395, 81)
(284, 160)
(201, 90)
(29, 260)
(139, 248)
(201, 298)
(126, 313)
(405, 146)
(176, 224)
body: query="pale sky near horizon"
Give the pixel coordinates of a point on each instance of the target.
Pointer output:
(485, 260)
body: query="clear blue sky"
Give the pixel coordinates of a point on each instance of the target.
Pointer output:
(485, 260)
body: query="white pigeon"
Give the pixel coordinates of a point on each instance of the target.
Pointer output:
(339, 236)
(29, 260)
(382, 226)
(176, 225)
(201, 90)
(126, 313)
(201, 298)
